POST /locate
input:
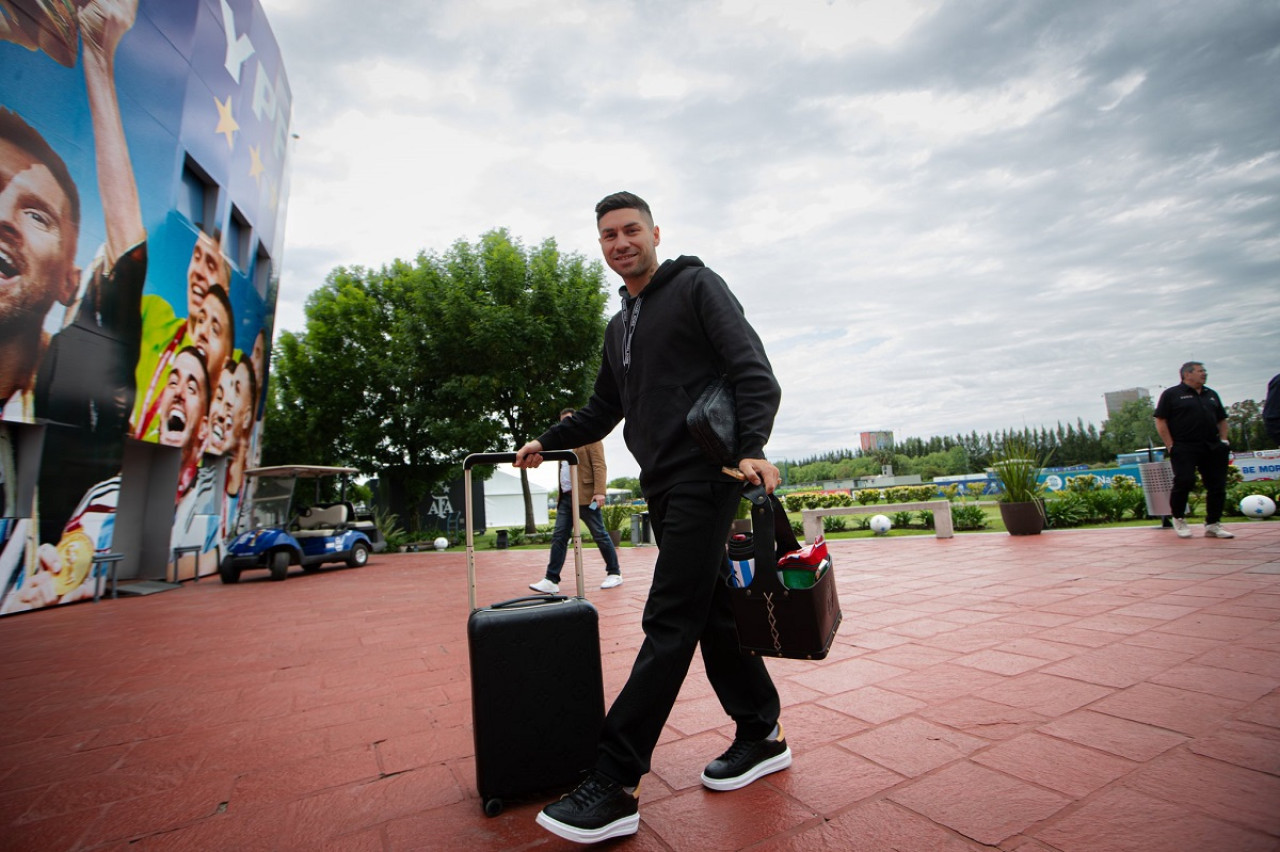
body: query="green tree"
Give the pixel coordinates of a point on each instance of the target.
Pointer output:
(1246, 428)
(1129, 429)
(630, 483)
(527, 328)
(404, 370)
(371, 383)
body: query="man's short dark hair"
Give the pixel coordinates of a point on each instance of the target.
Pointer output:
(1188, 367)
(217, 291)
(16, 131)
(565, 411)
(623, 201)
(204, 365)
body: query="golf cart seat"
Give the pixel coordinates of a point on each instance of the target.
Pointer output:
(320, 521)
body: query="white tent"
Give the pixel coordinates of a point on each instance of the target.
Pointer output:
(504, 501)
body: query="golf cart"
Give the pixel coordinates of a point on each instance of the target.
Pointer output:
(278, 527)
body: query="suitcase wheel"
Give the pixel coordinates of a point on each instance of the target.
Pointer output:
(492, 807)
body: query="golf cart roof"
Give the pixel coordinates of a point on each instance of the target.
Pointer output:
(300, 470)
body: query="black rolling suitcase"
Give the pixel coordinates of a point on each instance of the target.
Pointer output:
(537, 694)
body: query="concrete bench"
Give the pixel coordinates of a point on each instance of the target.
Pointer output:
(941, 509)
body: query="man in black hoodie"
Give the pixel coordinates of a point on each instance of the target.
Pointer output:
(679, 328)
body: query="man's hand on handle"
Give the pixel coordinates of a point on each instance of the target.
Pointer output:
(759, 471)
(530, 455)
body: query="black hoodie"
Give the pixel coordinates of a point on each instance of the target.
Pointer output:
(689, 330)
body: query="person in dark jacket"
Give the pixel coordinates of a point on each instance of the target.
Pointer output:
(679, 329)
(1271, 409)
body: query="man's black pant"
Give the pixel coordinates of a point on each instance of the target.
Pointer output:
(688, 605)
(1211, 460)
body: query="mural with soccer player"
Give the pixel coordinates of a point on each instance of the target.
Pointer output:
(143, 182)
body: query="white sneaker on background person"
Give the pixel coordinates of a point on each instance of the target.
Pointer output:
(611, 580)
(1217, 531)
(1181, 527)
(545, 586)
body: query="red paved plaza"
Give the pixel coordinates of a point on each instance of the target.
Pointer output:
(1081, 691)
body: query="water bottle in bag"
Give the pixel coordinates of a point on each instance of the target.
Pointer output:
(742, 560)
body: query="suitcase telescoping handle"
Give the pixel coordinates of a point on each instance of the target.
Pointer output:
(507, 458)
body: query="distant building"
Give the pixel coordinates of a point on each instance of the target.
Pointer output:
(1117, 399)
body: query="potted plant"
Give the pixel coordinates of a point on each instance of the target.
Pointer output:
(614, 515)
(1021, 500)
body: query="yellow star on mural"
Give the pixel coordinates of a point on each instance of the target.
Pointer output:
(255, 166)
(226, 124)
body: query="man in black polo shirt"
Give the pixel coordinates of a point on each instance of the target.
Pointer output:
(1193, 424)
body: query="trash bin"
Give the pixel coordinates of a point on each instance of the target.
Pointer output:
(501, 542)
(641, 531)
(1157, 485)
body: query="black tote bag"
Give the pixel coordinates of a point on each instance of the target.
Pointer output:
(773, 620)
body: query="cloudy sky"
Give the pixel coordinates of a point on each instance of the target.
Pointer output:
(940, 216)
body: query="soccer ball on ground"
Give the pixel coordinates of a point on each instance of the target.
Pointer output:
(1258, 506)
(441, 543)
(880, 524)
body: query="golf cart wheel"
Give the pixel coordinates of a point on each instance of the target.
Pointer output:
(492, 807)
(228, 571)
(359, 555)
(279, 564)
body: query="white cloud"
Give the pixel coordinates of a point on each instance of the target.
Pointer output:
(941, 217)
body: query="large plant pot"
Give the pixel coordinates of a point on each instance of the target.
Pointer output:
(1023, 518)
(616, 535)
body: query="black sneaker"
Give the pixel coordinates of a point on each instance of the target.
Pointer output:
(598, 810)
(745, 761)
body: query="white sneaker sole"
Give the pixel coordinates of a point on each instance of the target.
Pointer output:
(761, 769)
(618, 828)
(607, 585)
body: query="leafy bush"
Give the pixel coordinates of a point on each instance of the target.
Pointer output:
(1123, 482)
(1068, 509)
(897, 494)
(388, 523)
(867, 496)
(974, 489)
(901, 519)
(1083, 484)
(801, 500)
(833, 523)
(924, 492)
(1086, 504)
(951, 491)
(797, 527)
(968, 517)
(926, 520)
